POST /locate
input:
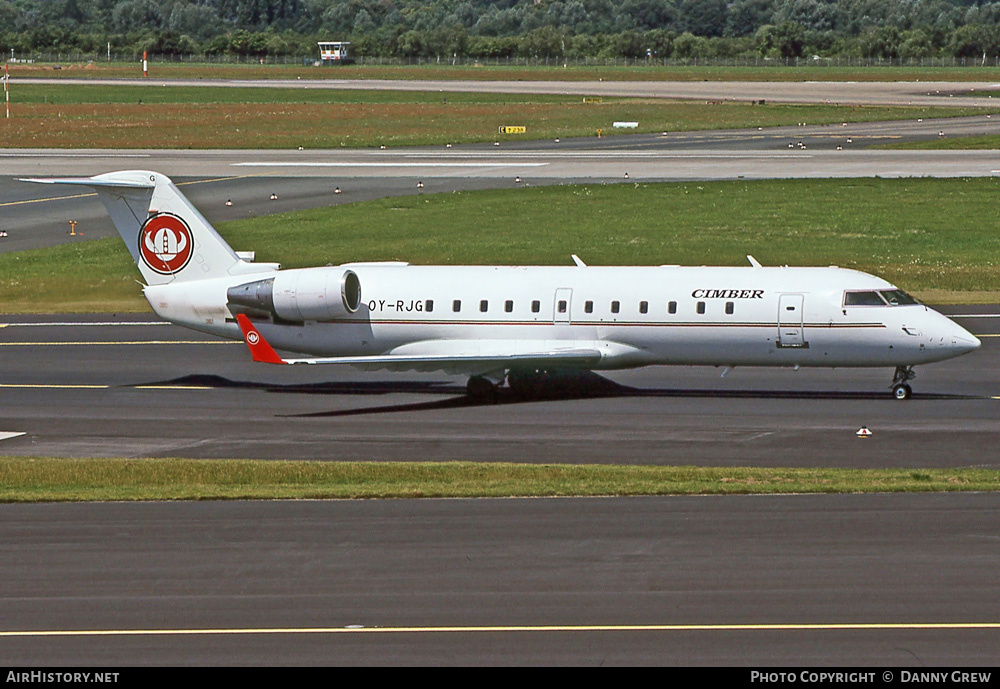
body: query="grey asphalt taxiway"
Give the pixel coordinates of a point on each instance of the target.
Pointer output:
(899, 93)
(792, 580)
(132, 387)
(884, 580)
(757, 581)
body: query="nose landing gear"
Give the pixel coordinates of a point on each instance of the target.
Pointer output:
(900, 387)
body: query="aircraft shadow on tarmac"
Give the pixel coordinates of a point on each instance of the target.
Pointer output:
(584, 385)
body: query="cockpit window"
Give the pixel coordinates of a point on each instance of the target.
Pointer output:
(897, 297)
(862, 299)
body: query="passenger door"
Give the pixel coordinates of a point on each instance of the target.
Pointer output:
(790, 321)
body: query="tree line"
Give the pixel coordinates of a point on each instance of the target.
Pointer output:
(654, 29)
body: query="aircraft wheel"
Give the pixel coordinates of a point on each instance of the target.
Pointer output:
(480, 388)
(902, 391)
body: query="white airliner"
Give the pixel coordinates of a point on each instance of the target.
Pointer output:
(516, 323)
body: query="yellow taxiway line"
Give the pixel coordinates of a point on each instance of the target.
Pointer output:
(359, 629)
(90, 194)
(120, 342)
(56, 386)
(59, 387)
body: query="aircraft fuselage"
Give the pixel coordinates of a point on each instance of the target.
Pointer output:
(636, 316)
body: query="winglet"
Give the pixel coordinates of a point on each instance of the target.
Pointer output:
(260, 350)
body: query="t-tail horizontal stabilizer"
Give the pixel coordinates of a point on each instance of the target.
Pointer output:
(170, 241)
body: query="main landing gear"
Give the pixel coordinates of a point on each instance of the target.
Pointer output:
(528, 384)
(482, 389)
(900, 387)
(525, 384)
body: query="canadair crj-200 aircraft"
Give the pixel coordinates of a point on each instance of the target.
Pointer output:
(516, 323)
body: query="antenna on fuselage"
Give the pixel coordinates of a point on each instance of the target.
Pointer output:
(753, 261)
(578, 261)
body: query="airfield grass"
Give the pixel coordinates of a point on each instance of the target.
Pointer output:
(72, 115)
(986, 142)
(937, 238)
(61, 480)
(485, 71)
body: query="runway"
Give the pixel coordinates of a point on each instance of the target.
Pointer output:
(929, 93)
(843, 580)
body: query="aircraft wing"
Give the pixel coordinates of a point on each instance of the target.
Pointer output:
(451, 356)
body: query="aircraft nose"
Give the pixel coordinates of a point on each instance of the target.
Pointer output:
(963, 341)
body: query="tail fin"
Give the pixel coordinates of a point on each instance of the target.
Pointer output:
(168, 238)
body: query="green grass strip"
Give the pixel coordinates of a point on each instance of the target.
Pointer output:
(72, 115)
(984, 142)
(567, 69)
(936, 237)
(75, 480)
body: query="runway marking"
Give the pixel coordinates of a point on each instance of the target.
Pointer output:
(119, 342)
(975, 315)
(172, 387)
(358, 629)
(61, 386)
(74, 155)
(53, 386)
(616, 153)
(483, 164)
(7, 435)
(226, 178)
(92, 194)
(49, 198)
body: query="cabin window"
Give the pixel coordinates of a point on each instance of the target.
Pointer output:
(729, 308)
(561, 306)
(615, 307)
(643, 307)
(429, 305)
(484, 305)
(898, 297)
(508, 306)
(536, 306)
(863, 299)
(701, 307)
(456, 305)
(588, 306)
(672, 307)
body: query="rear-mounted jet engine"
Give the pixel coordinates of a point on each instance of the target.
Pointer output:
(299, 295)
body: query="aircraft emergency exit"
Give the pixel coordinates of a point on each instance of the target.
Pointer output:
(514, 324)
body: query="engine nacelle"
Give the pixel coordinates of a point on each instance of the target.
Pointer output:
(309, 294)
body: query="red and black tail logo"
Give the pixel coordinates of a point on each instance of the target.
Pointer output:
(165, 243)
